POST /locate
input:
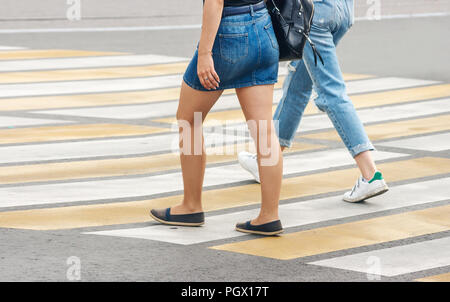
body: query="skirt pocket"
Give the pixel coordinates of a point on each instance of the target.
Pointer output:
(233, 47)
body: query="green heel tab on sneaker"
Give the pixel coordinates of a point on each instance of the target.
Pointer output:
(376, 176)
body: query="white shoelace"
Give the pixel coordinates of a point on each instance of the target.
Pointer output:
(356, 186)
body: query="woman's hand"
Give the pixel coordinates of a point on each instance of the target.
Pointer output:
(206, 72)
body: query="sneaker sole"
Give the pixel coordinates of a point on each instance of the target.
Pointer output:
(376, 193)
(176, 223)
(259, 232)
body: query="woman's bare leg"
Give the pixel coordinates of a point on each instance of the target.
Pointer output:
(366, 164)
(193, 163)
(256, 103)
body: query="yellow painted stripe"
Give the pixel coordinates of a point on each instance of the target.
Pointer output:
(56, 133)
(346, 236)
(219, 118)
(91, 74)
(89, 100)
(401, 96)
(51, 53)
(120, 166)
(137, 211)
(98, 99)
(111, 73)
(436, 278)
(232, 116)
(394, 129)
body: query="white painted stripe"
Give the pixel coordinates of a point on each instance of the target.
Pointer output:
(100, 29)
(87, 62)
(437, 142)
(11, 48)
(369, 115)
(370, 85)
(12, 121)
(398, 260)
(296, 214)
(94, 86)
(141, 186)
(177, 27)
(102, 147)
(380, 114)
(160, 82)
(152, 110)
(78, 87)
(403, 16)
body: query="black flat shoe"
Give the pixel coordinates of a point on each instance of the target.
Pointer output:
(268, 229)
(164, 216)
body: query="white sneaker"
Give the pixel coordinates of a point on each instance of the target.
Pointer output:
(366, 189)
(249, 162)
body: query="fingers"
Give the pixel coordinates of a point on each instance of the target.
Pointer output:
(208, 80)
(213, 78)
(201, 77)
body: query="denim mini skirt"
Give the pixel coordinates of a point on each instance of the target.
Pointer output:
(245, 53)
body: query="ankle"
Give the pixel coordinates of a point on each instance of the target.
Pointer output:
(368, 175)
(186, 208)
(265, 218)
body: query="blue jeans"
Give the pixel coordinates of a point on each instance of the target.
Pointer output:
(332, 19)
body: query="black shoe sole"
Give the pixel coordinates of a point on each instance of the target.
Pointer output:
(192, 224)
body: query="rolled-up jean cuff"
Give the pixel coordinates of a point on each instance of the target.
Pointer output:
(361, 148)
(285, 142)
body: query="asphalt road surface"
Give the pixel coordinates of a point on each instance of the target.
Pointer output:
(86, 149)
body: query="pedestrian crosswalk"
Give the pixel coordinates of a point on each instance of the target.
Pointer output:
(88, 142)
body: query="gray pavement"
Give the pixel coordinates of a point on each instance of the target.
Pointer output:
(416, 48)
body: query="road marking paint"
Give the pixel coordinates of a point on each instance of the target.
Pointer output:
(51, 53)
(359, 101)
(87, 62)
(221, 227)
(388, 83)
(436, 278)
(89, 74)
(180, 27)
(116, 85)
(346, 236)
(434, 143)
(137, 97)
(75, 87)
(301, 213)
(8, 48)
(367, 115)
(55, 133)
(140, 111)
(90, 100)
(103, 147)
(13, 121)
(115, 72)
(420, 256)
(119, 166)
(215, 118)
(222, 175)
(401, 96)
(394, 129)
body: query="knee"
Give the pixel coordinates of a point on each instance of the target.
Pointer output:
(190, 118)
(263, 131)
(333, 100)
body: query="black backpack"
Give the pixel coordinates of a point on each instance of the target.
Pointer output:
(291, 21)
